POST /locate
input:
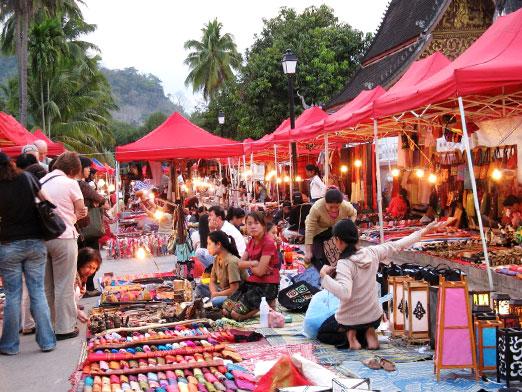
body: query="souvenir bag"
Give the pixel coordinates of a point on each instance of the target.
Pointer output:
(511, 157)
(297, 297)
(52, 224)
(95, 228)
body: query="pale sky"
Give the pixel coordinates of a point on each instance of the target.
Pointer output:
(149, 35)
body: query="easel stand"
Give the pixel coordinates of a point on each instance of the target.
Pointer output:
(455, 343)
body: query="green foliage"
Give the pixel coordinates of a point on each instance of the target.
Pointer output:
(257, 101)
(211, 60)
(138, 95)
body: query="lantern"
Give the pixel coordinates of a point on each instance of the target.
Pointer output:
(515, 308)
(501, 303)
(480, 301)
(486, 336)
(395, 286)
(509, 349)
(416, 308)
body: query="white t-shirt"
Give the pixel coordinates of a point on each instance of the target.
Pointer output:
(63, 191)
(317, 188)
(231, 230)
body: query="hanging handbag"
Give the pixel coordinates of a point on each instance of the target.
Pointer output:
(95, 228)
(511, 161)
(52, 224)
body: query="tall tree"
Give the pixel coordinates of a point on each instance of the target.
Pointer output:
(211, 60)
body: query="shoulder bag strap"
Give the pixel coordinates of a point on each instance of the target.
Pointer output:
(50, 178)
(32, 184)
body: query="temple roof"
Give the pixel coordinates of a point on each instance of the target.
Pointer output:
(400, 38)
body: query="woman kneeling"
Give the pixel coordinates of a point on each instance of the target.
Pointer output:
(262, 260)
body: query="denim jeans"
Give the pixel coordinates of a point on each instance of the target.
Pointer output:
(27, 258)
(203, 290)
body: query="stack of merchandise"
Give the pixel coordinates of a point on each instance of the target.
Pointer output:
(146, 290)
(153, 244)
(175, 357)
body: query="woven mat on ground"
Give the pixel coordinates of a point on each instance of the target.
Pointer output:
(285, 335)
(418, 377)
(263, 351)
(330, 355)
(297, 319)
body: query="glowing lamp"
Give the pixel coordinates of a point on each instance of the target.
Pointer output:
(279, 180)
(496, 174)
(432, 178)
(501, 303)
(344, 169)
(480, 301)
(419, 173)
(158, 214)
(140, 253)
(395, 172)
(298, 179)
(286, 179)
(357, 163)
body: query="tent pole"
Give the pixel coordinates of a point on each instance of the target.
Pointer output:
(251, 177)
(326, 160)
(292, 174)
(465, 139)
(231, 182)
(174, 180)
(378, 175)
(117, 190)
(219, 167)
(277, 174)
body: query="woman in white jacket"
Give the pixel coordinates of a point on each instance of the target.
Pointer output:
(355, 284)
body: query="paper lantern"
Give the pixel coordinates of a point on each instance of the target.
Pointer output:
(486, 336)
(395, 286)
(509, 355)
(480, 301)
(515, 308)
(416, 308)
(501, 303)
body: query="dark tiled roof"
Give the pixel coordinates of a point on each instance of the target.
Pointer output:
(404, 20)
(379, 73)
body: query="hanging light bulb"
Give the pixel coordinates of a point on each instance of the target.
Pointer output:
(158, 214)
(298, 179)
(279, 180)
(140, 253)
(286, 179)
(344, 169)
(496, 174)
(395, 172)
(432, 178)
(357, 163)
(419, 173)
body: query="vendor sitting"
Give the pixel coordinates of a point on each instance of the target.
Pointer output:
(354, 283)
(88, 262)
(226, 275)
(262, 259)
(399, 205)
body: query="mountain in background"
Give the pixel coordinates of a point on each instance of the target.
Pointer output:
(137, 95)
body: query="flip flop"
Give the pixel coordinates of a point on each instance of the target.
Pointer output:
(387, 365)
(373, 363)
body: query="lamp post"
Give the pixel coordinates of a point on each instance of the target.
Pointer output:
(221, 121)
(289, 64)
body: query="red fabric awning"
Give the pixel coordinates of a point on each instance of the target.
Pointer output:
(492, 63)
(53, 148)
(13, 135)
(177, 137)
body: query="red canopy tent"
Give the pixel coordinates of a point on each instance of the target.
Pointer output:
(177, 137)
(13, 136)
(492, 65)
(53, 148)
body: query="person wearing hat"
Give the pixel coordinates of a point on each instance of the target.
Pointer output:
(31, 149)
(354, 282)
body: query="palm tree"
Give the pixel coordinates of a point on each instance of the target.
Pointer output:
(211, 60)
(16, 16)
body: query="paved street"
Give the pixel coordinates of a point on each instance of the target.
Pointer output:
(34, 371)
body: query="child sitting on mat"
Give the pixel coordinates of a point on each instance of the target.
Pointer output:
(89, 261)
(355, 284)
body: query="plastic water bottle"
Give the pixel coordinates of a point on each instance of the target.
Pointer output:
(264, 309)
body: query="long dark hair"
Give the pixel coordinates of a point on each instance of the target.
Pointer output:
(203, 230)
(8, 171)
(226, 241)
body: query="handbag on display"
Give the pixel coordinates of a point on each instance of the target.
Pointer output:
(297, 297)
(511, 157)
(52, 224)
(95, 228)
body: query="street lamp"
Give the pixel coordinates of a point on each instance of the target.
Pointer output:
(289, 64)
(221, 120)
